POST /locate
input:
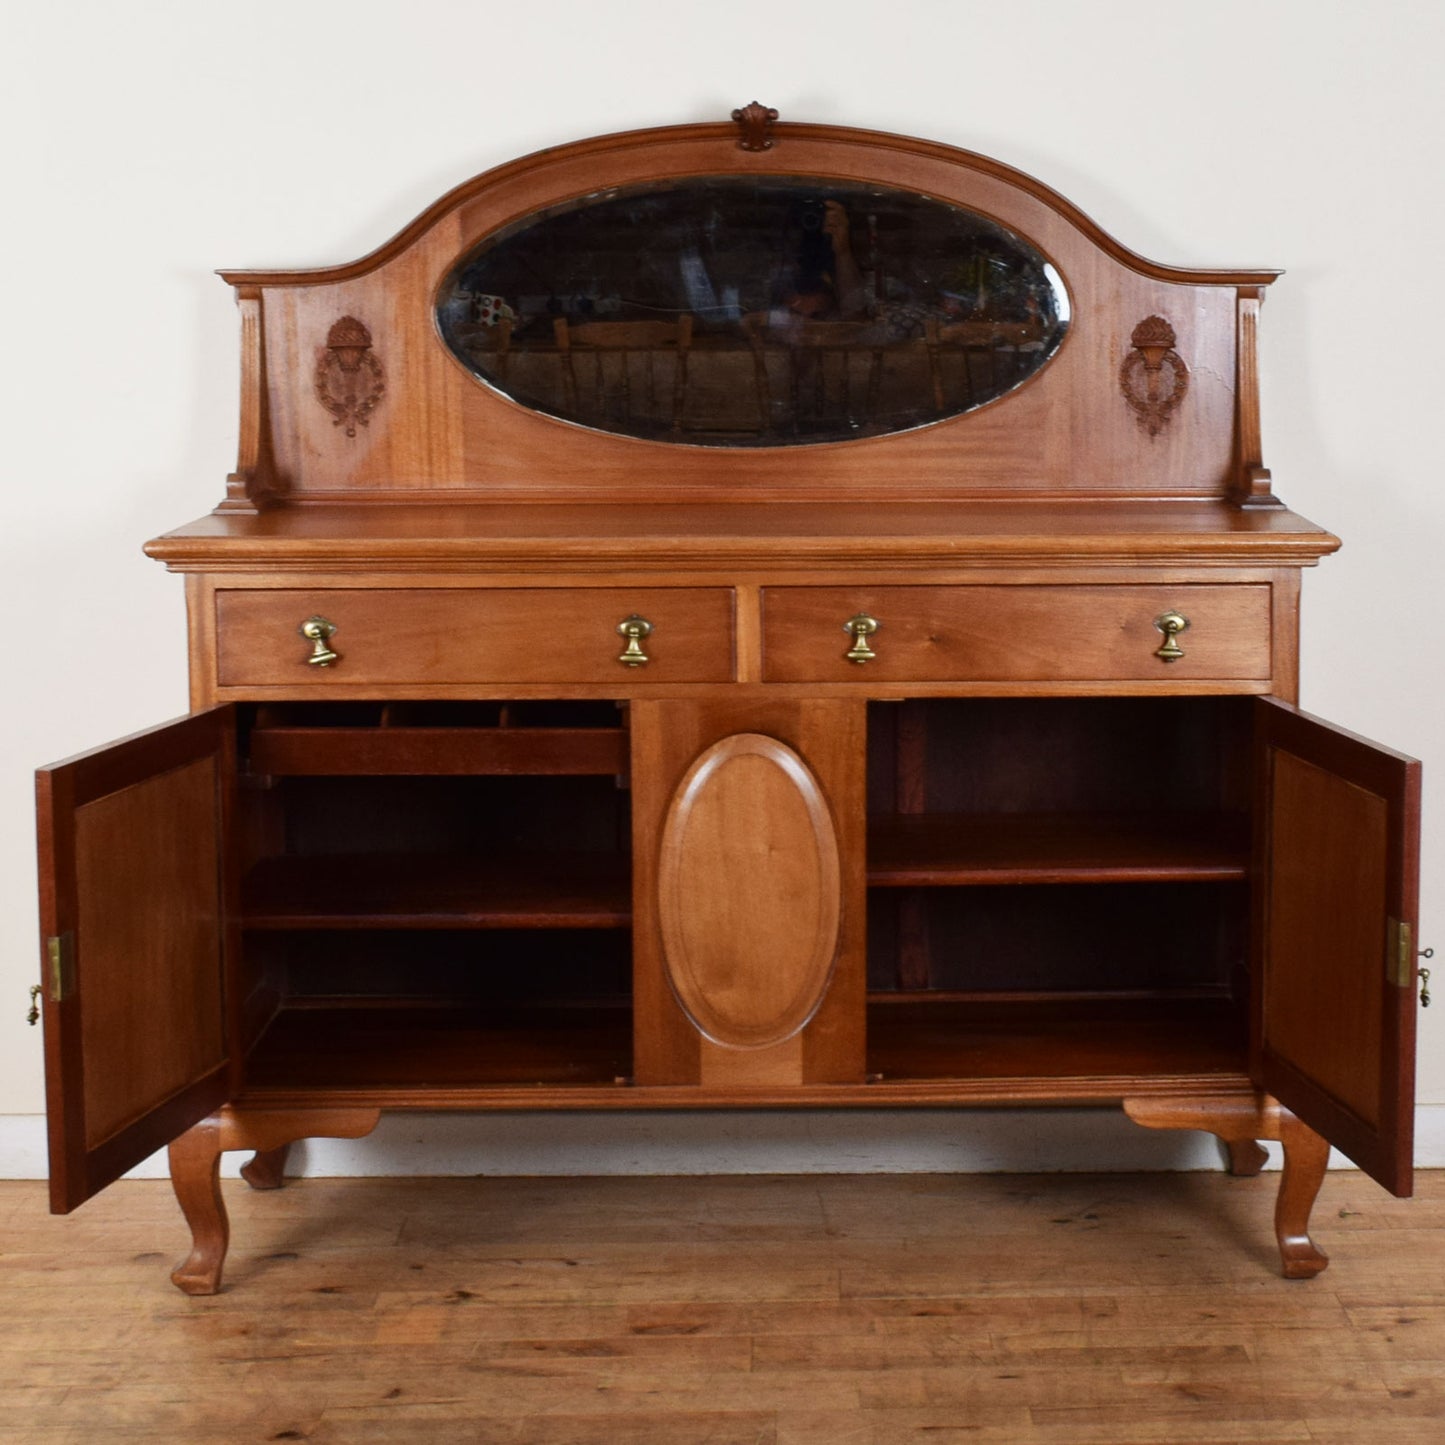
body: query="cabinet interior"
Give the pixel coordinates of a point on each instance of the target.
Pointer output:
(1058, 886)
(440, 895)
(436, 894)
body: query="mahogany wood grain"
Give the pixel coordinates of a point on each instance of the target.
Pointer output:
(438, 751)
(947, 1051)
(749, 915)
(1241, 1121)
(252, 485)
(745, 1092)
(201, 641)
(405, 1045)
(1285, 615)
(931, 849)
(909, 776)
(669, 739)
(1247, 1157)
(419, 637)
(1149, 757)
(195, 1159)
(914, 962)
(393, 908)
(137, 1047)
(900, 531)
(1021, 936)
(149, 923)
(391, 890)
(1013, 633)
(913, 1036)
(1252, 484)
(266, 1169)
(439, 430)
(1338, 851)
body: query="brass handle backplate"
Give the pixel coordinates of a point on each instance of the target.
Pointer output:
(860, 629)
(1171, 624)
(318, 632)
(634, 629)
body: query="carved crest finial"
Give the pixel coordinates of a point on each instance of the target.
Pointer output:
(756, 121)
(1153, 377)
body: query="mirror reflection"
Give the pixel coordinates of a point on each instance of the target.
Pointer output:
(733, 311)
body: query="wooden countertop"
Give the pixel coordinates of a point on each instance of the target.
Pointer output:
(444, 536)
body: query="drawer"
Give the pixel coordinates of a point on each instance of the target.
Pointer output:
(474, 635)
(1018, 633)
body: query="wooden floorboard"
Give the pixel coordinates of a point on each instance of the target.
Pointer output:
(816, 1310)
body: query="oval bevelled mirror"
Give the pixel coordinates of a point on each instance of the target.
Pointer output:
(732, 311)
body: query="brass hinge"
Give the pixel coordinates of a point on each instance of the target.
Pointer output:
(60, 969)
(1400, 955)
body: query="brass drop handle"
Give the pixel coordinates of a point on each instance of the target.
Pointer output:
(33, 1017)
(634, 629)
(1425, 978)
(318, 632)
(860, 629)
(1171, 624)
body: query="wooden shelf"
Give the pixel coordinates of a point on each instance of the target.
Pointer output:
(555, 890)
(920, 1051)
(405, 1045)
(911, 1036)
(437, 751)
(925, 850)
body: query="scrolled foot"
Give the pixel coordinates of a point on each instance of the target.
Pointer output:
(1246, 1157)
(199, 1273)
(266, 1168)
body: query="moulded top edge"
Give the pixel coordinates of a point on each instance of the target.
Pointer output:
(704, 136)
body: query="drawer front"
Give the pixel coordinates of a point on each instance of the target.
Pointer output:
(1017, 634)
(472, 635)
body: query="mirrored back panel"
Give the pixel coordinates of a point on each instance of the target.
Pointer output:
(733, 311)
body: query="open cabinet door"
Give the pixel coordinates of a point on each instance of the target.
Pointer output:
(1335, 923)
(132, 901)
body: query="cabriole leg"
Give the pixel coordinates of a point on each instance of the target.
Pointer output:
(1246, 1157)
(196, 1173)
(1241, 1120)
(196, 1177)
(266, 1169)
(1306, 1157)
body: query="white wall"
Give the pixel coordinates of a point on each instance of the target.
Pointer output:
(150, 142)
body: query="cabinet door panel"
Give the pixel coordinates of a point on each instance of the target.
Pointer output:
(132, 890)
(749, 913)
(748, 882)
(1338, 865)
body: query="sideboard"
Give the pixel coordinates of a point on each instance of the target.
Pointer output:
(755, 615)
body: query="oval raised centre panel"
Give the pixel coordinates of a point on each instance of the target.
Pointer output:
(750, 892)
